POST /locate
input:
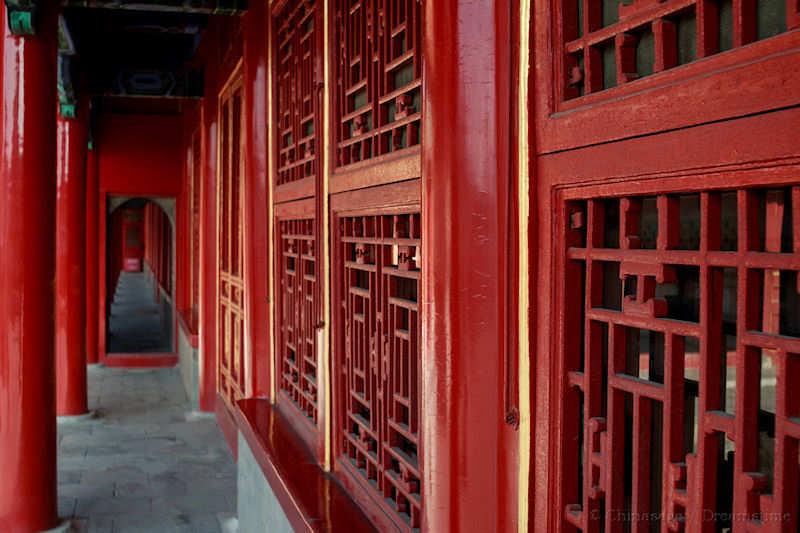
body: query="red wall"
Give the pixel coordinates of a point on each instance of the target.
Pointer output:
(141, 155)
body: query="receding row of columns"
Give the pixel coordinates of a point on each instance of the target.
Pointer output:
(43, 279)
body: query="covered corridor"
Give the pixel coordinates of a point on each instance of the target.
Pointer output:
(145, 463)
(403, 266)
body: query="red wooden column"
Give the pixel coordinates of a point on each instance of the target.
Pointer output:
(92, 251)
(469, 451)
(27, 268)
(256, 241)
(71, 394)
(207, 333)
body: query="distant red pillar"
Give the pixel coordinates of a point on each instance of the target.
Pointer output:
(469, 451)
(257, 239)
(207, 328)
(27, 267)
(92, 254)
(71, 394)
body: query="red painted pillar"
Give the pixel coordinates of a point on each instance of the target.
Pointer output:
(71, 394)
(27, 268)
(469, 452)
(207, 328)
(92, 255)
(257, 240)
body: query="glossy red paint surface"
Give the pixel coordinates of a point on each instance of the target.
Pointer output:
(140, 360)
(311, 499)
(140, 157)
(27, 269)
(256, 241)
(468, 451)
(92, 250)
(71, 393)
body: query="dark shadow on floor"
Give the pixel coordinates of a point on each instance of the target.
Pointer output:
(137, 323)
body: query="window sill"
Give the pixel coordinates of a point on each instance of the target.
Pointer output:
(311, 498)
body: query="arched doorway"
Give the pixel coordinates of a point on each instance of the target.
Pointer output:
(140, 279)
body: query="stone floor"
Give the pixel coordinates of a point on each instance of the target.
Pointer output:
(136, 323)
(143, 465)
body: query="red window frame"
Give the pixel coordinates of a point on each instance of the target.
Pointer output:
(377, 367)
(231, 383)
(594, 393)
(297, 54)
(724, 84)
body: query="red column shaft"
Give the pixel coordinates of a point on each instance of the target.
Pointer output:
(207, 329)
(27, 268)
(257, 240)
(468, 450)
(71, 394)
(92, 257)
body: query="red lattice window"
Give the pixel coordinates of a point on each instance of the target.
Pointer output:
(379, 77)
(379, 361)
(298, 315)
(298, 42)
(230, 344)
(607, 43)
(680, 345)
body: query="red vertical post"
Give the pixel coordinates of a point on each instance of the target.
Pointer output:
(92, 255)
(71, 394)
(469, 452)
(27, 268)
(207, 331)
(256, 241)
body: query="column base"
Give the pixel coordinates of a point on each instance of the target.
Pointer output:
(65, 527)
(75, 419)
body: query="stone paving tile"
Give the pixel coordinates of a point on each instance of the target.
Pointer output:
(141, 465)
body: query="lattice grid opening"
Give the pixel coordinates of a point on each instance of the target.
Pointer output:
(298, 123)
(681, 344)
(379, 77)
(230, 343)
(380, 368)
(299, 316)
(607, 43)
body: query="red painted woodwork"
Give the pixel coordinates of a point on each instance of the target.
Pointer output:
(379, 77)
(257, 36)
(298, 315)
(132, 241)
(666, 306)
(71, 386)
(139, 156)
(469, 454)
(703, 86)
(378, 365)
(92, 258)
(311, 498)
(194, 178)
(158, 245)
(231, 287)
(299, 77)
(28, 500)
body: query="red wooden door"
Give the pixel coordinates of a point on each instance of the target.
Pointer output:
(667, 317)
(132, 239)
(230, 279)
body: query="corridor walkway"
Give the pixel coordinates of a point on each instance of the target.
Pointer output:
(135, 324)
(142, 465)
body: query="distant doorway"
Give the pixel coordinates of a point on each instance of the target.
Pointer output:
(140, 244)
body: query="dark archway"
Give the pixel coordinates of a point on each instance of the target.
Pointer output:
(140, 247)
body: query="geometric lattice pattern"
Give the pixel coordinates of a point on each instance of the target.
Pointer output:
(681, 347)
(380, 367)
(379, 77)
(612, 42)
(298, 103)
(231, 259)
(298, 315)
